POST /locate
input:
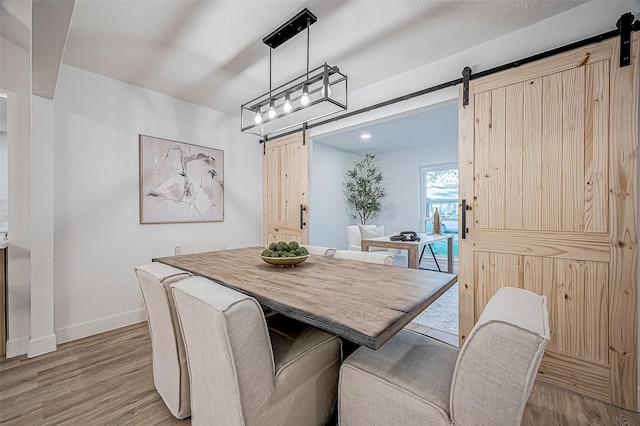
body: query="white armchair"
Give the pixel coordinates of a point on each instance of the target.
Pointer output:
(354, 236)
(354, 242)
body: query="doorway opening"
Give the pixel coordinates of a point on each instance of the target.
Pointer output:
(439, 190)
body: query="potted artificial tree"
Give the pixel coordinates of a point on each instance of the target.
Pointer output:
(363, 189)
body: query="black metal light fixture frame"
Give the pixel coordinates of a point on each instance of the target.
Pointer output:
(325, 86)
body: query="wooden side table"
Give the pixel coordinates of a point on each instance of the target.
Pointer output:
(414, 248)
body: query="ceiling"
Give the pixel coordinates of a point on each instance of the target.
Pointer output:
(211, 52)
(428, 126)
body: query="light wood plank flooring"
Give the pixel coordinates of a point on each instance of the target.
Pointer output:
(107, 380)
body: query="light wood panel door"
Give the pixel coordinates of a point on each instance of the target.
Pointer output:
(285, 169)
(548, 168)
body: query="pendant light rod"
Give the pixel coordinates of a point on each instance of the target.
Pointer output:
(270, 49)
(308, 24)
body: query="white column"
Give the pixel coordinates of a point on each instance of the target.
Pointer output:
(42, 339)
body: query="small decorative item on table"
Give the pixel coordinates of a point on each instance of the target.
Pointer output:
(284, 254)
(437, 226)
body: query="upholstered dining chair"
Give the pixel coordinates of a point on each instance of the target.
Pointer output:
(319, 250)
(247, 372)
(198, 248)
(416, 380)
(170, 371)
(365, 256)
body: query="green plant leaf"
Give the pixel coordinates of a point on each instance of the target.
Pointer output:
(364, 190)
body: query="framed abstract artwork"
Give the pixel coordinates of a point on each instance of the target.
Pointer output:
(180, 182)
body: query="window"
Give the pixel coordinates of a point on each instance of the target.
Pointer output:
(439, 188)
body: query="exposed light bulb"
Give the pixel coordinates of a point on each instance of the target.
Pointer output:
(287, 103)
(258, 117)
(272, 109)
(304, 99)
(325, 83)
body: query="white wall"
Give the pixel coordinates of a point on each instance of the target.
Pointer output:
(401, 169)
(328, 215)
(98, 238)
(15, 80)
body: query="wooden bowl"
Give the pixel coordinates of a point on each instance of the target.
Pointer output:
(284, 261)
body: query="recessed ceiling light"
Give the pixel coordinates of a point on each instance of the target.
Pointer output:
(365, 136)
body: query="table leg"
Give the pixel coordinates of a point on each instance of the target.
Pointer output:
(434, 257)
(421, 254)
(412, 252)
(450, 255)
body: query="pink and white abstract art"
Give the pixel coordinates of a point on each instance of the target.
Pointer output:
(180, 182)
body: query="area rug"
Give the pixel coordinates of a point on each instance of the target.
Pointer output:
(443, 313)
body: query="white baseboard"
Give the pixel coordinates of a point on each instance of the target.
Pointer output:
(41, 345)
(89, 328)
(17, 347)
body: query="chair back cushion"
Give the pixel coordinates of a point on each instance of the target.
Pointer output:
(364, 256)
(497, 365)
(198, 248)
(319, 250)
(229, 351)
(170, 371)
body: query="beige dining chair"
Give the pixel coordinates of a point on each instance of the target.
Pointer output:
(319, 250)
(416, 380)
(198, 248)
(170, 372)
(247, 372)
(365, 256)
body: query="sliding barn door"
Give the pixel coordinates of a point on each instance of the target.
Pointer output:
(548, 168)
(285, 169)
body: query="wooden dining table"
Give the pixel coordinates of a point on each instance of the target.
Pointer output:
(362, 302)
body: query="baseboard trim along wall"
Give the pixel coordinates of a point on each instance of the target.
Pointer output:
(17, 347)
(41, 345)
(89, 328)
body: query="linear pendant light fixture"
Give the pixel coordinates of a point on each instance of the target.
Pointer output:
(315, 94)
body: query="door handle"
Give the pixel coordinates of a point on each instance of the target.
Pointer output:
(303, 209)
(465, 230)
